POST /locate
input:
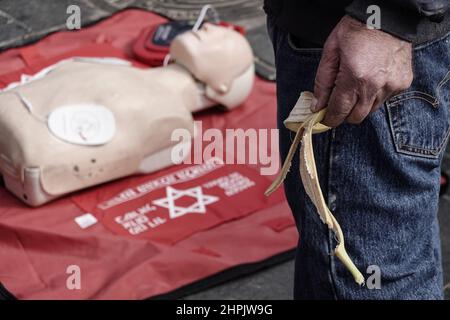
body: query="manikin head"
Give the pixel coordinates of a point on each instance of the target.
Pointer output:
(221, 58)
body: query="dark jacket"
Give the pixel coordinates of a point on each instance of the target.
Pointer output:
(417, 21)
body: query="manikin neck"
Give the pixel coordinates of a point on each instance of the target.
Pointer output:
(186, 83)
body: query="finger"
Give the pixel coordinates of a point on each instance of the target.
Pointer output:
(382, 96)
(326, 76)
(339, 107)
(361, 110)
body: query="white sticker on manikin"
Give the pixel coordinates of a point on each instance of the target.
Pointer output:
(83, 124)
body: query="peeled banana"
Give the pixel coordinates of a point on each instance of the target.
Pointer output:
(305, 123)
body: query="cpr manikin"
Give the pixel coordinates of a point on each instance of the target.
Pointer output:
(86, 121)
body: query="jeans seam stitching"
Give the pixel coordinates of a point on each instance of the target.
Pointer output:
(442, 83)
(391, 127)
(434, 152)
(413, 95)
(332, 270)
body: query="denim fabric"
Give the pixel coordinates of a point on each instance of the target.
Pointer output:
(380, 179)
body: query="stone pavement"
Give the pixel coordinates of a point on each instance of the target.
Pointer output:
(25, 21)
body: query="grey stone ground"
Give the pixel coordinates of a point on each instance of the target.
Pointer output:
(24, 21)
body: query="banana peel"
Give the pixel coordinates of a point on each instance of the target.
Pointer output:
(305, 123)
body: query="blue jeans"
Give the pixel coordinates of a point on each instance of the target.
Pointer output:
(380, 179)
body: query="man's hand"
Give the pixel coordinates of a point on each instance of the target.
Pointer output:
(360, 69)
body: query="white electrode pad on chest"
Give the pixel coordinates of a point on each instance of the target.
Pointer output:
(83, 124)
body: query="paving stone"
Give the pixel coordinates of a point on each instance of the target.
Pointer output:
(265, 61)
(10, 29)
(44, 14)
(230, 10)
(35, 19)
(274, 283)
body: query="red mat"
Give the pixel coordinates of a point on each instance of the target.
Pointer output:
(158, 233)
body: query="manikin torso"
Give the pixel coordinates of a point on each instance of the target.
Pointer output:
(147, 106)
(157, 101)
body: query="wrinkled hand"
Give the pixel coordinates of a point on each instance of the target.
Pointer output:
(359, 70)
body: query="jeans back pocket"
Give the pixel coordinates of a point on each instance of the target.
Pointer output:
(419, 120)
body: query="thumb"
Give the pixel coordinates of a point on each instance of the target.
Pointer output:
(326, 75)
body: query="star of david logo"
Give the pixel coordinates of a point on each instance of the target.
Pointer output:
(177, 211)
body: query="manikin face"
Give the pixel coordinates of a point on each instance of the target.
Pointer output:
(214, 54)
(210, 42)
(210, 34)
